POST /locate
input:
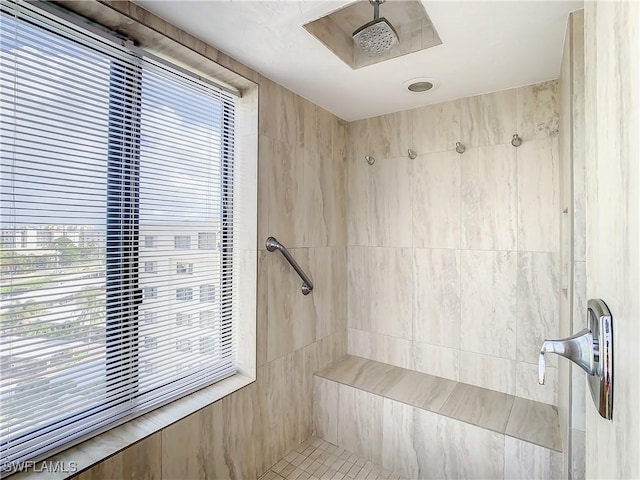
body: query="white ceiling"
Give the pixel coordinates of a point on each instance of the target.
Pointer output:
(486, 46)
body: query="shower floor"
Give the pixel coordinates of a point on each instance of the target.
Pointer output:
(318, 459)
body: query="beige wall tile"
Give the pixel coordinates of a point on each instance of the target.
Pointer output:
(389, 136)
(538, 195)
(272, 399)
(537, 107)
(435, 199)
(192, 447)
(360, 422)
(436, 360)
(436, 309)
(578, 451)
(284, 168)
(612, 76)
(537, 311)
(380, 290)
(488, 303)
(381, 348)
(489, 198)
(436, 128)
(448, 448)
(527, 385)
(328, 272)
(324, 201)
(579, 397)
(398, 452)
(142, 460)
(291, 322)
(325, 409)
(486, 371)
(242, 428)
(488, 119)
(379, 203)
(262, 307)
(278, 116)
(526, 460)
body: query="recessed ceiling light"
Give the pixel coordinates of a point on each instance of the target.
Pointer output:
(420, 85)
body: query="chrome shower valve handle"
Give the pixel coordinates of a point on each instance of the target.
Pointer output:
(578, 349)
(592, 350)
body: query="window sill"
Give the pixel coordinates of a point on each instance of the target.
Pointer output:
(104, 445)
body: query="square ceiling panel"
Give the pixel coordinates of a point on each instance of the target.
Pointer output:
(409, 18)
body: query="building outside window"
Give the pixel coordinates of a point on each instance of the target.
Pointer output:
(206, 240)
(183, 345)
(148, 317)
(208, 345)
(44, 238)
(207, 293)
(183, 319)
(8, 239)
(183, 268)
(182, 242)
(150, 267)
(207, 319)
(184, 293)
(150, 292)
(150, 241)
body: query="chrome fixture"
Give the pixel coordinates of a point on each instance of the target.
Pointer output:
(592, 350)
(273, 244)
(516, 140)
(376, 36)
(370, 160)
(412, 154)
(460, 148)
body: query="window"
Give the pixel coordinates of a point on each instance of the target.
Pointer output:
(208, 345)
(149, 241)
(183, 319)
(184, 268)
(207, 293)
(150, 292)
(24, 242)
(115, 154)
(150, 267)
(183, 345)
(206, 240)
(8, 239)
(44, 238)
(207, 319)
(184, 293)
(182, 242)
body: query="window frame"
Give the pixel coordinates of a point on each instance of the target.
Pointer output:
(227, 262)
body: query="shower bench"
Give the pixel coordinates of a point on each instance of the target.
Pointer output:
(422, 426)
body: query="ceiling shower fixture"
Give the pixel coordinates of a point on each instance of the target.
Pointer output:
(376, 36)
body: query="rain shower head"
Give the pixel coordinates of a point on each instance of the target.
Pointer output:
(378, 35)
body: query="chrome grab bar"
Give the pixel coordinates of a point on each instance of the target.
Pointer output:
(273, 244)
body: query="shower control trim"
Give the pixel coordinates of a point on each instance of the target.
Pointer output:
(592, 350)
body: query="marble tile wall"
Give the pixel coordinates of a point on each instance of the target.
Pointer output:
(612, 166)
(453, 258)
(301, 199)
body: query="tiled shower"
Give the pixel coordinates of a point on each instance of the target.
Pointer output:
(449, 264)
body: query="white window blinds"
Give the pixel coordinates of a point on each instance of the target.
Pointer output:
(117, 178)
